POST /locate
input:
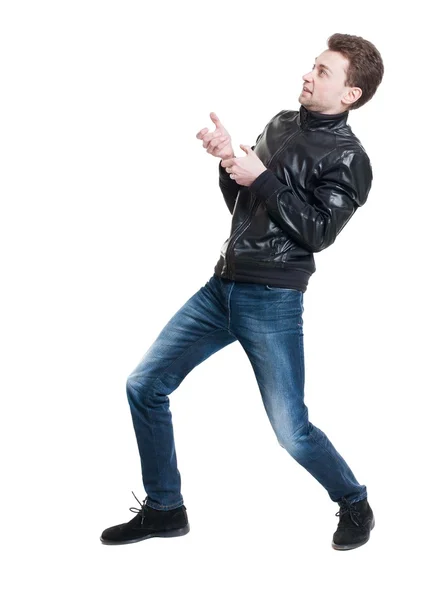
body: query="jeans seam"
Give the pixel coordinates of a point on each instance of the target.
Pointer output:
(229, 308)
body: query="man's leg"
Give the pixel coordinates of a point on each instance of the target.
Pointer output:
(268, 323)
(199, 329)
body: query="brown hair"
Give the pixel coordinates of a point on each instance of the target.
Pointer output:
(365, 69)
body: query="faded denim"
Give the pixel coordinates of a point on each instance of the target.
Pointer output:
(268, 323)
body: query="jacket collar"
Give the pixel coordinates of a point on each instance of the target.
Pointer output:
(309, 119)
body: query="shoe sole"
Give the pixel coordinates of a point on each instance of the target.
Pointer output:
(165, 534)
(351, 546)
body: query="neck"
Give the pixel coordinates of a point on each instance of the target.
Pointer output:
(310, 119)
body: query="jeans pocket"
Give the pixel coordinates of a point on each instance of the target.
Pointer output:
(278, 288)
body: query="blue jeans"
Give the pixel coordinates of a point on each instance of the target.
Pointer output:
(267, 321)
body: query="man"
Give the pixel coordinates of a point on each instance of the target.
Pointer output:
(289, 196)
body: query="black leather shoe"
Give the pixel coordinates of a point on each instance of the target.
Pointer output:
(354, 527)
(148, 523)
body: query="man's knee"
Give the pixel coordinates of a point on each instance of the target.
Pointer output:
(149, 390)
(295, 441)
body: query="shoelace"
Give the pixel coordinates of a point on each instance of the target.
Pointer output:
(139, 510)
(347, 507)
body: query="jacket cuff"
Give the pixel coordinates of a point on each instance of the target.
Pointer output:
(226, 181)
(265, 184)
(223, 173)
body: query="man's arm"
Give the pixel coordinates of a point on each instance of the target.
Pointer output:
(315, 219)
(229, 187)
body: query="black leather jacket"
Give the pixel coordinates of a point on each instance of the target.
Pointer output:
(318, 174)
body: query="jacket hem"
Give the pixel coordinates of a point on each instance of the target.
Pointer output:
(286, 276)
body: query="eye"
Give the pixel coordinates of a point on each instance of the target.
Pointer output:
(321, 70)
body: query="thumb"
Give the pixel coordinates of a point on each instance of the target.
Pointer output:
(215, 119)
(246, 148)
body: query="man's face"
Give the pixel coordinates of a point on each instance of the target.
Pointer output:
(325, 82)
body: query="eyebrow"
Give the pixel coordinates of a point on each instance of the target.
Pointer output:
(324, 66)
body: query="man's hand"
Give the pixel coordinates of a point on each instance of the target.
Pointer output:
(244, 170)
(218, 142)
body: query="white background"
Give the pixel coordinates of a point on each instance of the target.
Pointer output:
(111, 218)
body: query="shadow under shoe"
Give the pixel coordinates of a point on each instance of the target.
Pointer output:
(355, 525)
(149, 522)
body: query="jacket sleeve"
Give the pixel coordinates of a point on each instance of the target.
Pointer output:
(229, 187)
(314, 218)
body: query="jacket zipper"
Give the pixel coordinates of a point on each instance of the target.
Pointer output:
(243, 226)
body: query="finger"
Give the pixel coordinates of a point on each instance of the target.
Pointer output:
(215, 142)
(222, 145)
(216, 149)
(202, 133)
(246, 148)
(227, 162)
(215, 119)
(207, 138)
(210, 136)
